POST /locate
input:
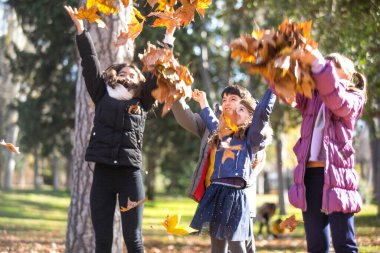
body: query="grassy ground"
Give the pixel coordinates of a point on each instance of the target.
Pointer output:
(36, 222)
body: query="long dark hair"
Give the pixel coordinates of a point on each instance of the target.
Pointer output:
(111, 78)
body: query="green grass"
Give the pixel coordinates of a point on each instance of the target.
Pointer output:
(31, 215)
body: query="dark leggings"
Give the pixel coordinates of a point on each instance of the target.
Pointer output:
(108, 183)
(318, 224)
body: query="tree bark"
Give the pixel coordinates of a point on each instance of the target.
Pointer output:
(280, 174)
(80, 235)
(37, 177)
(55, 170)
(9, 92)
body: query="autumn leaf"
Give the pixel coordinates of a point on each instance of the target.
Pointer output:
(173, 80)
(10, 146)
(105, 6)
(165, 19)
(152, 3)
(125, 3)
(134, 29)
(132, 204)
(277, 56)
(185, 14)
(201, 6)
(90, 15)
(290, 223)
(172, 226)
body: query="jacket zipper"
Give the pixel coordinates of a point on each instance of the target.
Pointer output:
(307, 153)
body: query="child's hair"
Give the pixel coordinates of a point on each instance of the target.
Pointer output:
(358, 80)
(237, 90)
(110, 76)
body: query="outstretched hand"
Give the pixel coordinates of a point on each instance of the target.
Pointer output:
(77, 22)
(200, 97)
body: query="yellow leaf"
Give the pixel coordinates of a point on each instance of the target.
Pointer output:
(172, 226)
(257, 34)
(105, 6)
(90, 15)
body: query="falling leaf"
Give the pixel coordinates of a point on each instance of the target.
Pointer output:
(10, 147)
(125, 3)
(277, 56)
(90, 15)
(173, 79)
(185, 14)
(166, 19)
(201, 6)
(172, 226)
(134, 29)
(290, 223)
(105, 6)
(132, 204)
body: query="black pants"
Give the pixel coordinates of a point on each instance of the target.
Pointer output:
(108, 183)
(318, 224)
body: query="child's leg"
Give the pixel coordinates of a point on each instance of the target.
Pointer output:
(102, 204)
(342, 232)
(316, 222)
(237, 246)
(132, 188)
(218, 246)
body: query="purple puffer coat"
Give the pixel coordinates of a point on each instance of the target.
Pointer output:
(343, 108)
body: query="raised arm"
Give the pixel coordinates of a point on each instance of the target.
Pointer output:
(95, 84)
(332, 90)
(206, 113)
(255, 136)
(187, 119)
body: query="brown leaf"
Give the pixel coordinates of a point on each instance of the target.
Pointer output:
(290, 223)
(132, 204)
(166, 19)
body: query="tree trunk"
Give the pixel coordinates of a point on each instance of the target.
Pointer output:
(281, 188)
(13, 35)
(80, 235)
(151, 177)
(68, 166)
(10, 161)
(55, 170)
(37, 177)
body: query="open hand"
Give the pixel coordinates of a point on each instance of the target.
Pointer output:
(200, 97)
(77, 22)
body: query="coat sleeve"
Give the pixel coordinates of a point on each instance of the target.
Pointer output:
(209, 118)
(147, 99)
(91, 72)
(255, 136)
(340, 101)
(187, 119)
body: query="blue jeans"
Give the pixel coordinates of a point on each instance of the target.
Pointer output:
(318, 224)
(108, 183)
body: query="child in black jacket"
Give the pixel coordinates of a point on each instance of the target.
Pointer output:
(122, 97)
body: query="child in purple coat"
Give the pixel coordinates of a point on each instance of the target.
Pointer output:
(325, 181)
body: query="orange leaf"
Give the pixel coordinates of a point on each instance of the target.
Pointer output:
(290, 223)
(186, 14)
(166, 19)
(125, 3)
(138, 14)
(228, 152)
(132, 204)
(10, 147)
